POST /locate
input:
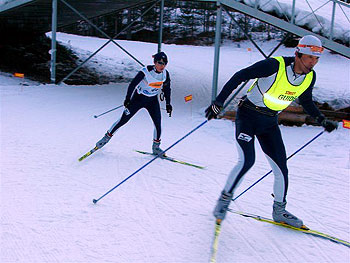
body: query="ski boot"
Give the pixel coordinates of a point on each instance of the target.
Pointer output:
(281, 215)
(104, 140)
(222, 205)
(156, 150)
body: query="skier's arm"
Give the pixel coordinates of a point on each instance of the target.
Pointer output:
(308, 104)
(138, 78)
(263, 68)
(166, 88)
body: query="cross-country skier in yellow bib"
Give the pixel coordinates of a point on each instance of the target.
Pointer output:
(279, 81)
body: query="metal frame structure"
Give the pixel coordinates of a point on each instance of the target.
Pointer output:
(14, 4)
(288, 26)
(217, 50)
(258, 48)
(111, 39)
(53, 42)
(255, 10)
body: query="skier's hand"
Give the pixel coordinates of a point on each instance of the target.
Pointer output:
(212, 111)
(126, 102)
(169, 109)
(329, 125)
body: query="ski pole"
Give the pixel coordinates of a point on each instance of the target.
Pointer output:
(306, 144)
(96, 116)
(131, 175)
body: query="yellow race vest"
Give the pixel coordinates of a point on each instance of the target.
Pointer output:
(282, 92)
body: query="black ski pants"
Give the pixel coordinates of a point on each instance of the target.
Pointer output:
(250, 124)
(137, 102)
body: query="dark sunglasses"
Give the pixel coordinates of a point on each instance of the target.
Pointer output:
(161, 63)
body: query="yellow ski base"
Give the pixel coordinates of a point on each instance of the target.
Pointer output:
(88, 153)
(214, 248)
(304, 228)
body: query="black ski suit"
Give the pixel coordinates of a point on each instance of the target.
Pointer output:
(139, 101)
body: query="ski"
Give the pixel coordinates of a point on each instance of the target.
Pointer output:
(88, 153)
(172, 160)
(214, 247)
(305, 230)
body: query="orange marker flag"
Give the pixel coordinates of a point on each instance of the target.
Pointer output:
(249, 49)
(346, 124)
(188, 98)
(19, 75)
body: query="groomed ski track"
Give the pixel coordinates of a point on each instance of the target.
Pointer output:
(162, 214)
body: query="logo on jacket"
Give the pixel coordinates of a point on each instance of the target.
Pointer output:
(244, 137)
(288, 96)
(157, 85)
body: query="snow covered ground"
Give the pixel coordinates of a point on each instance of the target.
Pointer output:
(192, 67)
(164, 212)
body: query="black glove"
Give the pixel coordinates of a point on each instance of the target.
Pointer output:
(329, 125)
(169, 109)
(126, 102)
(213, 111)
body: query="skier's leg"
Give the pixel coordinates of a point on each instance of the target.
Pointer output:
(272, 144)
(153, 109)
(246, 159)
(136, 104)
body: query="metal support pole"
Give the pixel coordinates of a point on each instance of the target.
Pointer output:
(217, 49)
(246, 34)
(110, 40)
(332, 21)
(53, 41)
(280, 44)
(293, 13)
(161, 26)
(99, 30)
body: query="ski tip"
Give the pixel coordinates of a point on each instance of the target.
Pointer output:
(95, 116)
(94, 201)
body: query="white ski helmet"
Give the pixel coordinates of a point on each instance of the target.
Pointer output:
(310, 45)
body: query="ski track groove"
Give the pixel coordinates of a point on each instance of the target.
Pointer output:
(150, 201)
(320, 240)
(323, 226)
(135, 200)
(245, 240)
(23, 243)
(312, 239)
(160, 218)
(317, 242)
(275, 248)
(152, 220)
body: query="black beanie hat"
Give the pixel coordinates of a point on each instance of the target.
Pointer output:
(160, 56)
